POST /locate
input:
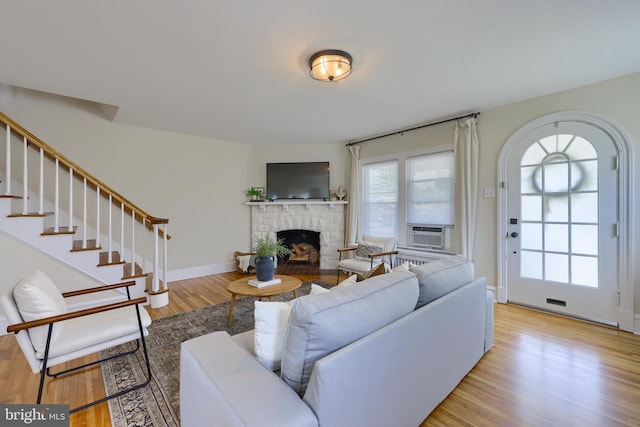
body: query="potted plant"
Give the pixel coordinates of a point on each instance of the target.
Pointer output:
(254, 193)
(267, 249)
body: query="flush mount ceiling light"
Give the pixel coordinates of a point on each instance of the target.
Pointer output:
(330, 65)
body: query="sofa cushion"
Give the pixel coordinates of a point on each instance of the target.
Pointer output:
(323, 323)
(440, 277)
(37, 297)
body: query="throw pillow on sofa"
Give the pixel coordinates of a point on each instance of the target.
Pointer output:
(271, 321)
(440, 277)
(317, 289)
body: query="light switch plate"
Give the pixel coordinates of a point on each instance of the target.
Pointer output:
(489, 193)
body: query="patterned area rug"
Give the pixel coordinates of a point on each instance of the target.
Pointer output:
(158, 404)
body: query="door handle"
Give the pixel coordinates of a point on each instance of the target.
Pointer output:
(514, 234)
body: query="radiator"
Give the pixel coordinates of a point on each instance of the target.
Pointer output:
(417, 257)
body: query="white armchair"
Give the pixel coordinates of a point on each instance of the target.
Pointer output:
(367, 254)
(49, 335)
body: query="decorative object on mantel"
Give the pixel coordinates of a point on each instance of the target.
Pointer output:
(255, 194)
(267, 249)
(340, 193)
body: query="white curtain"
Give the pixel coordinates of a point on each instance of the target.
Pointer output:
(465, 147)
(353, 208)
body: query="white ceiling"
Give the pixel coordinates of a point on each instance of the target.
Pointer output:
(237, 70)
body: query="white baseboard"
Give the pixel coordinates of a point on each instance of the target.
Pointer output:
(494, 291)
(636, 324)
(205, 270)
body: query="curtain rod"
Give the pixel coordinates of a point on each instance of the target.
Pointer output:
(474, 115)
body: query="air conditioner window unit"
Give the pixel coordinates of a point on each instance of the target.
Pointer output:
(427, 236)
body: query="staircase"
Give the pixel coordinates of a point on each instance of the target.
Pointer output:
(53, 205)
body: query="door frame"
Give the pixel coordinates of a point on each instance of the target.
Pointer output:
(624, 146)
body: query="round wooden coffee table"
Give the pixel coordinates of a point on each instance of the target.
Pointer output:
(241, 287)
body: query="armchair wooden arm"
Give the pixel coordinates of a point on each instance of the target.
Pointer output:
(348, 249)
(66, 316)
(97, 289)
(383, 254)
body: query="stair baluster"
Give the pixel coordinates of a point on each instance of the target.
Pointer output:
(49, 204)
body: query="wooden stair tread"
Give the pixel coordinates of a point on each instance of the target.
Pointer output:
(61, 230)
(106, 264)
(91, 246)
(30, 215)
(103, 258)
(130, 272)
(149, 285)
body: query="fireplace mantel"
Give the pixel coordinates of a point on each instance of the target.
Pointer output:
(286, 203)
(328, 218)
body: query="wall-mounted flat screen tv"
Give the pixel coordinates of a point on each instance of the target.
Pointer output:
(304, 180)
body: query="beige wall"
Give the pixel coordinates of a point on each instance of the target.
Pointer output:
(199, 183)
(617, 100)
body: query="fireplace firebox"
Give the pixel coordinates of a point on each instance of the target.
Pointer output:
(304, 245)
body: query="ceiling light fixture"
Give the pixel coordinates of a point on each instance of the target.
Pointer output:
(330, 65)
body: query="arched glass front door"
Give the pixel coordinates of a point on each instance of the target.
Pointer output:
(563, 221)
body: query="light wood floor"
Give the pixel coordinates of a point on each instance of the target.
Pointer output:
(544, 370)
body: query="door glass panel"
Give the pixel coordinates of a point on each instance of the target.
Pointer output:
(590, 174)
(556, 178)
(584, 270)
(584, 239)
(531, 208)
(581, 149)
(584, 207)
(531, 264)
(534, 155)
(527, 180)
(531, 236)
(556, 238)
(556, 209)
(556, 267)
(559, 202)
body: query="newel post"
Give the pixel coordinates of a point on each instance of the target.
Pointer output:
(159, 293)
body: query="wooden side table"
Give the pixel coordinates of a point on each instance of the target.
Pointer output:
(241, 287)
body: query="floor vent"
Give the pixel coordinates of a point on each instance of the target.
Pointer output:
(556, 302)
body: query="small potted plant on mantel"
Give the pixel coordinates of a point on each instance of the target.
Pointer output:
(255, 194)
(267, 249)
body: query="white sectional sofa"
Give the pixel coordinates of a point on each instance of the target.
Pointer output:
(382, 352)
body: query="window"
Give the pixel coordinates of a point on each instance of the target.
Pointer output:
(430, 189)
(408, 188)
(380, 204)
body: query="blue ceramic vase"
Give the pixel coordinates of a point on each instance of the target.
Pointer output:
(265, 268)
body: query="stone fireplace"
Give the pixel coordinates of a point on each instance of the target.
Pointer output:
(325, 218)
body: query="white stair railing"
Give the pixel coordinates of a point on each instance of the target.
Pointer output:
(132, 220)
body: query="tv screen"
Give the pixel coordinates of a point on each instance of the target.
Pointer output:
(309, 180)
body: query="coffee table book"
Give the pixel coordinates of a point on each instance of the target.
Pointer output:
(259, 284)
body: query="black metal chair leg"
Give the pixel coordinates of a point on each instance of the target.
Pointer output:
(45, 370)
(86, 365)
(44, 364)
